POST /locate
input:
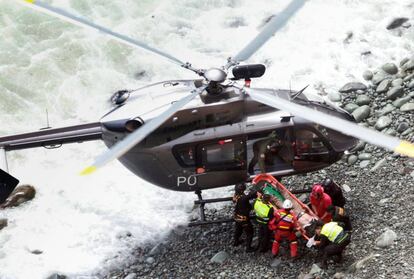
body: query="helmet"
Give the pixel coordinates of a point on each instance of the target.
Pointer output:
(326, 182)
(240, 188)
(287, 204)
(317, 190)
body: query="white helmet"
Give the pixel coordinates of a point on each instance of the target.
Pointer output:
(287, 204)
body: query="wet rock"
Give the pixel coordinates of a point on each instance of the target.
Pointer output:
(346, 188)
(407, 107)
(334, 97)
(384, 86)
(402, 127)
(353, 86)
(362, 100)
(379, 77)
(364, 164)
(390, 131)
(395, 92)
(379, 164)
(411, 85)
(367, 75)
(406, 132)
(397, 82)
(383, 122)
(361, 113)
(364, 156)
(387, 109)
(404, 60)
(315, 270)
(396, 22)
(409, 77)
(408, 66)
(3, 223)
(275, 262)
(401, 101)
(19, 195)
(390, 68)
(352, 159)
(220, 257)
(350, 107)
(150, 260)
(386, 239)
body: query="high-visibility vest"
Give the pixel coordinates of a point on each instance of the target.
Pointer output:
(331, 230)
(262, 211)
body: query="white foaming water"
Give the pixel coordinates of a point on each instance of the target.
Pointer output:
(79, 222)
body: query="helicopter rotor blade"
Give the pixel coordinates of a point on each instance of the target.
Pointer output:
(141, 133)
(66, 16)
(346, 127)
(275, 24)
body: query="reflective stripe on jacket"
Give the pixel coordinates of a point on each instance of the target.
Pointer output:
(262, 211)
(331, 230)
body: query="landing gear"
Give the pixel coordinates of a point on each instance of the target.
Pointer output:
(201, 203)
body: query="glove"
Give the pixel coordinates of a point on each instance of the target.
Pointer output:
(311, 242)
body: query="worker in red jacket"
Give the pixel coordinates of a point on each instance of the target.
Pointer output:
(320, 202)
(284, 225)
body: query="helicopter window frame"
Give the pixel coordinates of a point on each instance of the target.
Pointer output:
(327, 148)
(238, 154)
(185, 155)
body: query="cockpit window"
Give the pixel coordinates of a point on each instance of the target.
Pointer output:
(186, 155)
(307, 142)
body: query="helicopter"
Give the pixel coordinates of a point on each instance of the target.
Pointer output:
(200, 133)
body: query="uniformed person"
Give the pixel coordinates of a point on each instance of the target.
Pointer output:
(264, 213)
(262, 152)
(339, 215)
(242, 216)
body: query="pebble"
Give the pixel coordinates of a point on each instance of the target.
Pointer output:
(359, 264)
(367, 75)
(315, 269)
(407, 107)
(379, 77)
(352, 159)
(395, 92)
(404, 60)
(362, 100)
(150, 260)
(401, 101)
(364, 164)
(156, 250)
(378, 164)
(402, 127)
(361, 113)
(409, 77)
(386, 239)
(396, 22)
(387, 109)
(411, 85)
(390, 68)
(364, 156)
(275, 262)
(383, 122)
(353, 86)
(384, 86)
(220, 257)
(131, 276)
(397, 82)
(350, 107)
(408, 66)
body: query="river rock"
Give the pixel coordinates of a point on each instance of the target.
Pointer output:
(407, 107)
(390, 68)
(3, 223)
(57, 276)
(379, 77)
(364, 156)
(409, 77)
(352, 159)
(362, 100)
(131, 276)
(406, 132)
(359, 264)
(383, 86)
(387, 109)
(378, 164)
(397, 82)
(363, 164)
(157, 249)
(401, 101)
(334, 96)
(315, 269)
(386, 239)
(350, 107)
(395, 92)
(383, 122)
(367, 75)
(389, 131)
(353, 86)
(150, 260)
(220, 257)
(361, 113)
(275, 263)
(396, 22)
(411, 85)
(402, 127)
(408, 66)
(359, 147)
(404, 60)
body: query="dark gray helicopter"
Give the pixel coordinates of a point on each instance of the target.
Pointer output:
(200, 134)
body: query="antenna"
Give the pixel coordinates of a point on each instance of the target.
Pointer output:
(47, 122)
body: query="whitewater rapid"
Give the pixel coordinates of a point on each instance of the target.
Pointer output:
(80, 223)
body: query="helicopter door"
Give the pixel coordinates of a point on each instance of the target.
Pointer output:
(311, 150)
(221, 162)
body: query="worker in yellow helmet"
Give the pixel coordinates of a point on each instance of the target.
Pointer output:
(332, 240)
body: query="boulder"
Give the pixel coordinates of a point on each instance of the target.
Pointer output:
(396, 22)
(390, 68)
(220, 257)
(361, 113)
(395, 92)
(353, 86)
(386, 239)
(407, 107)
(383, 122)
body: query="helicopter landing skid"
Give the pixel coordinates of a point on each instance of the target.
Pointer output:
(201, 203)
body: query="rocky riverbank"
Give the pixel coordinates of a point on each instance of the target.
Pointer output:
(379, 187)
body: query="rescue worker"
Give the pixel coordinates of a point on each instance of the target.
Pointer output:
(339, 215)
(319, 203)
(264, 212)
(262, 152)
(334, 191)
(284, 225)
(242, 216)
(333, 240)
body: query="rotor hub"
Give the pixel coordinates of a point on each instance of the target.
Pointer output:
(215, 74)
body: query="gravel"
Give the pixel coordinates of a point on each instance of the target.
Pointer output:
(380, 191)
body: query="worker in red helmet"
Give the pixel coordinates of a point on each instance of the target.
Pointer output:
(284, 225)
(320, 202)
